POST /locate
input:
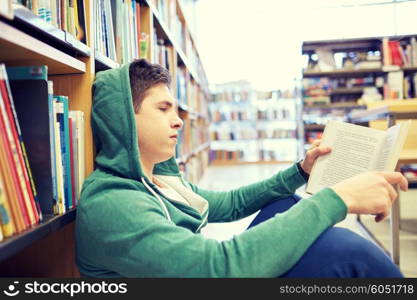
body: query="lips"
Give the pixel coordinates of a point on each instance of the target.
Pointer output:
(174, 136)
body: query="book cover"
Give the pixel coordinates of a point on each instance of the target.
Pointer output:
(52, 120)
(60, 206)
(81, 149)
(62, 117)
(72, 166)
(16, 171)
(23, 166)
(6, 221)
(11, 182)
(30, 97)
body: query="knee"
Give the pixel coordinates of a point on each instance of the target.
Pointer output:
(359, 256)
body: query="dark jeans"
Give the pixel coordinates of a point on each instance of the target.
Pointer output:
(337, 252)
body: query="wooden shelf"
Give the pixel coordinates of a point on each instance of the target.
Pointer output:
(314, 127)
(343, 45)
(185, 158)
(37, 27)
(18, 48)
(104, 63)
(15, 244)
(224, 162)
(341, 73)
(342, 105)
(348, 72)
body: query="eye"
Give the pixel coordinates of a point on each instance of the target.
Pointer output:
(163, 108)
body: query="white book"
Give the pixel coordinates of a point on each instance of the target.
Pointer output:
(81, 149)
(60, 206)
(355, 149)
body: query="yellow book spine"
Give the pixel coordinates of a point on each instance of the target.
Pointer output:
(7, 226)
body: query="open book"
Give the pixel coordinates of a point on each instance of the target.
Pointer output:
(355, 149)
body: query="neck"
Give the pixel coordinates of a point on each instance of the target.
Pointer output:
(147, 168)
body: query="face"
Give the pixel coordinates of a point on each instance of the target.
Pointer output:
(158, 123)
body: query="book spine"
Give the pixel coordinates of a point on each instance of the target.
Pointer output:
(81, 150)
(52, 121)
(7, 225)
(65, 150)
(10, 172)
(16, 145)
(24, 162)
(72, 167)
(16, 167)
(60, 208)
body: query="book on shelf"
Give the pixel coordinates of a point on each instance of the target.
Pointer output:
(67, 15)
(117, 27)
(63, 120)
(356, 149)
(6, 222)
(30, 83)
(6, 9)
(77, 157)
(18, 163)
(45, 130)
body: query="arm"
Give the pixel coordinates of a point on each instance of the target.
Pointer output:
(241, 202)
(134, 239)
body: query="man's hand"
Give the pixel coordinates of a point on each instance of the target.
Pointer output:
(371, 192)
(312, 154)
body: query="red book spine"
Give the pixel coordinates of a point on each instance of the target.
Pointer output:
(19, 149)
(12, 168)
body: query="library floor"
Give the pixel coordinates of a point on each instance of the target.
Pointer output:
(229, 177)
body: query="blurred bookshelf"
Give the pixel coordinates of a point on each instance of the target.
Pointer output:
(249, 126)
(106, 35)
(343, 77)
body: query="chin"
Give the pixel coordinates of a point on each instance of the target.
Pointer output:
(165, 157)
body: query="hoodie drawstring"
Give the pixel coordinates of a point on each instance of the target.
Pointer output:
(157, 196)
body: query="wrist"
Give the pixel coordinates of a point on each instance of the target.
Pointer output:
(302, 171)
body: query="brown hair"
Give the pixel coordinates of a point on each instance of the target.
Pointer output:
(144, 75)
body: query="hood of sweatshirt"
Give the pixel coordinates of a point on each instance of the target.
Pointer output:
(114, 128)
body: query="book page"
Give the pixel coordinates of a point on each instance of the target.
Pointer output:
(393, 145)
(355, 150)
(392, 134)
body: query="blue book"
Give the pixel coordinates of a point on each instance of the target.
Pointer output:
(52, 141)
(65, 150)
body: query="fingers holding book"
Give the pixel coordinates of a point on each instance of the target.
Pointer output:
(371, 192)
(312, 154)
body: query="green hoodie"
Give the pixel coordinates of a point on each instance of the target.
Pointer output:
(125, 227)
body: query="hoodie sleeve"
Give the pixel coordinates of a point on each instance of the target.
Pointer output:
(235, 204)
(134, 239)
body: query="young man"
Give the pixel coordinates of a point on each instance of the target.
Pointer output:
(138, 217)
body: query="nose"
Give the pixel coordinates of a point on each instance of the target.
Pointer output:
(177, 123)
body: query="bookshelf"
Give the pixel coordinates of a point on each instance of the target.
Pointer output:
(343, 77)
(47, 249)
(250, 126)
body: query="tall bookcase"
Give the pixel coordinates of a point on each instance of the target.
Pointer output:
(47, 249)
(344, 76)
(250, 126)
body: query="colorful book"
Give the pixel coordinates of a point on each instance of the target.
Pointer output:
(6, 221)
(60, 206)
(11, 183)
(16, 168)
(29, 88)
(29, 186)
(72, 162)
(63, 118)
